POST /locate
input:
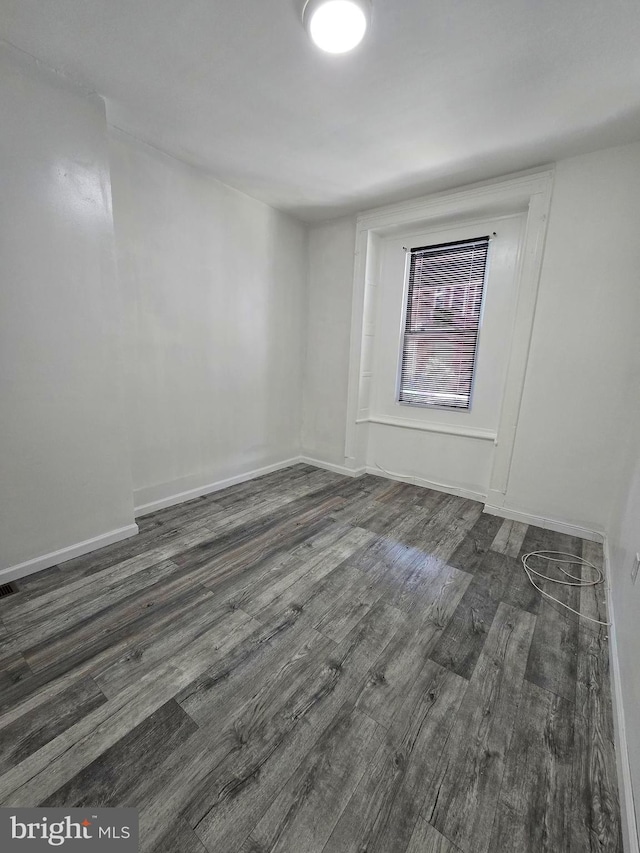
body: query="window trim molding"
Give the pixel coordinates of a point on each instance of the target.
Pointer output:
(529, 193)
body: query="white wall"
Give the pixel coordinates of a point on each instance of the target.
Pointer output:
(566, 463)
(623, 541)
(331, 247)
(580, 377)
(64, 463)
(185, 373)
(624, 544)
(214, 289)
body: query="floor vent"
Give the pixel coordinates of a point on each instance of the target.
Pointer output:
(7, 589)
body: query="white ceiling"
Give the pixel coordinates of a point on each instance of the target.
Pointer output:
(440, 93)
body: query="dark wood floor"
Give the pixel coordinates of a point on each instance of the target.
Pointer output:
(309, 663)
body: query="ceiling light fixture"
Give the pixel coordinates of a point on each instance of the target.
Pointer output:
(337, 25)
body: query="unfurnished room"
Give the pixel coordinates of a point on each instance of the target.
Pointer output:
(319, 426)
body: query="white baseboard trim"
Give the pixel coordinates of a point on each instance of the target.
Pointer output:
(546, 523)
(30, 567)
(427, 484)
(627, 806)
(182, 497)
(331, 466)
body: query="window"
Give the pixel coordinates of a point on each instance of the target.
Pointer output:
(444, 305)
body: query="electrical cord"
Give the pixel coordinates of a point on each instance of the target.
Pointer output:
(544, 555)
(405, 478)
(574, 581)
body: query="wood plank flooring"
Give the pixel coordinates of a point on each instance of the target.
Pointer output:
(306, 663)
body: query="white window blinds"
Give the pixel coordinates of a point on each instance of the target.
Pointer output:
(444, 304)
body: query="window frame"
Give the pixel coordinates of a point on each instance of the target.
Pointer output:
(403, 325)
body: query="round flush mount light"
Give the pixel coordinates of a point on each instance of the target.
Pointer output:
(337, 26)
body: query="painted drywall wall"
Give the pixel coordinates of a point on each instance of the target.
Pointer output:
(566, 462)
(567, 458)
(213, 285)
(64, 462)
(331, 248)
(624, 544)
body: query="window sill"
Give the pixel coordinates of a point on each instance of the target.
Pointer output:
(446, 429)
